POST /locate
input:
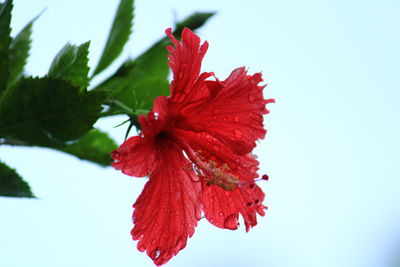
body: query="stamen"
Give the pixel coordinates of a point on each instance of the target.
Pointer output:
(215, 174)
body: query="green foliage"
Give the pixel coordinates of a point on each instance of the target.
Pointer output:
(11, 184)
(134, 80)
(193, 22)
(118, 36)
(137, 82)
(48, 111)
(71, 64)
(95, 146)
(19, 52)
(57, 111)
(5, 41)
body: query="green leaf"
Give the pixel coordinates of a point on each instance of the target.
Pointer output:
(71, 64)
(11, 184)
(48, 111)
(137, 82)
(5, 41)
(19, 52)
(118, 36)
(95, 146)
(194, 21)
(138, 88)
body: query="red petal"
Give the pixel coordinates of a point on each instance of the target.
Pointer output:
(233, 112)
(135, 157)
(169, 207)
(185, 62)
(222, 207)
(156, 120)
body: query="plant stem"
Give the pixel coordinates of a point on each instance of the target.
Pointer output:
(12, 142)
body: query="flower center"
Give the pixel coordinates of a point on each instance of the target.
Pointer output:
(214, 174)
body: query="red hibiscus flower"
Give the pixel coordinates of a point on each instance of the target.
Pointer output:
(195, 146)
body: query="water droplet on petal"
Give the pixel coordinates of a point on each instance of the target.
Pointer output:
(237, 133)
(252, 98)
(115, 155)
(231, 222)
(198, 215)
(236, 119)
(221, 214)
(153, 241)
(216, 147)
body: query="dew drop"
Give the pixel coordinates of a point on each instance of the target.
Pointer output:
(157, 253)
(237, 133)
(236, 119)
(216, 147)
(165, 235)
(198, 215)
(115, 155)
(252, 98)
(153, 241)
(231, 222)
(253, 169)
(221, 214)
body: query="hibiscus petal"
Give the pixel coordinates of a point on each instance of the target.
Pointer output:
(167, 211)
(222, 207)
(156, 120)
(234, 113)
(185, 62)
(135, 157)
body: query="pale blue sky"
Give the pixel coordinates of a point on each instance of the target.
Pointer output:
(332, 151)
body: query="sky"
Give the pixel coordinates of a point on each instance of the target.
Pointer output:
(331, 152)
